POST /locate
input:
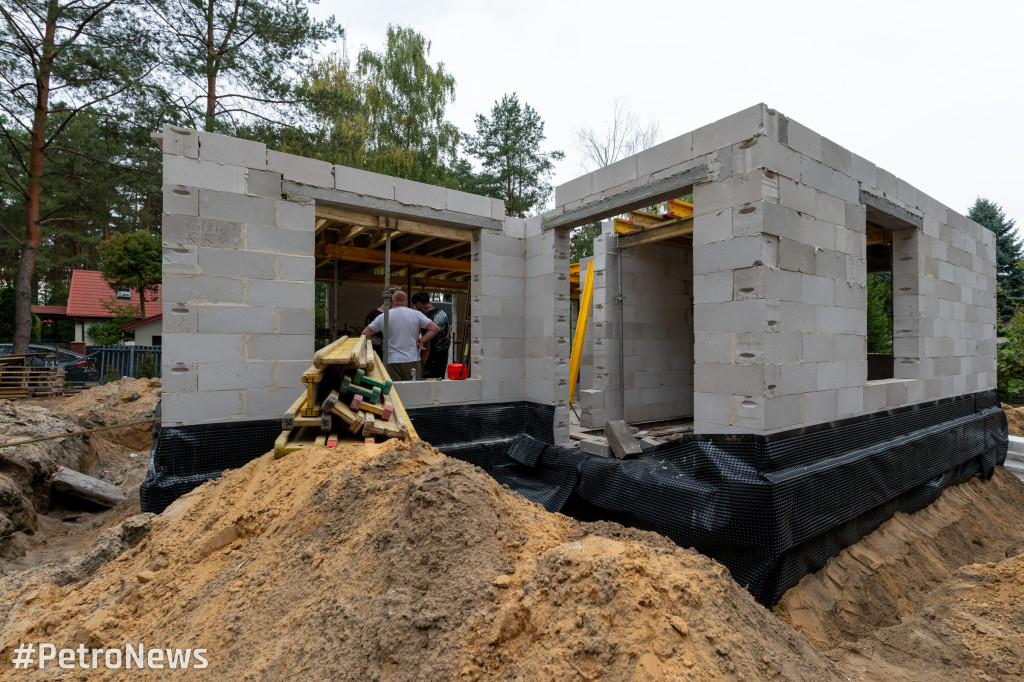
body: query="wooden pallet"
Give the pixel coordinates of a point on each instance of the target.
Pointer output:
(25, 381)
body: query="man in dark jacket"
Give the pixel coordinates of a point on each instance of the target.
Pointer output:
(435, 359)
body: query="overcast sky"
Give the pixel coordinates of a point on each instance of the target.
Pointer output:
(931, 91)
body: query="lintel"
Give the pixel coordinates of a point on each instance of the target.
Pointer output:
(390, 208)
(663, 189)
(884, 213)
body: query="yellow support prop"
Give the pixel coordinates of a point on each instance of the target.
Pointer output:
(581, 331)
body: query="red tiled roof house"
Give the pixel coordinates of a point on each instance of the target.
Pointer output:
(86, 298)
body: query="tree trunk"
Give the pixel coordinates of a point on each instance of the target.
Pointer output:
(211, 76)
(33, 200)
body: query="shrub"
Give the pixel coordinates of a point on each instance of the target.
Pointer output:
(147, 367)
(1010, 357)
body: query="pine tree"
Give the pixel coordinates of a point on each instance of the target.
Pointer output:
(58, 59)
(1009, 255)
(515, 169)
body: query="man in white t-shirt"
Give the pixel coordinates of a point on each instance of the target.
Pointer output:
(404, 340)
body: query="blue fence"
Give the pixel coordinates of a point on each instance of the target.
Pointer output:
(126, 360)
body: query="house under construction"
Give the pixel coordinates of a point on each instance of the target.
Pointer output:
(743, 310)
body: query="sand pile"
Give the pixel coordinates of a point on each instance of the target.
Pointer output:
(1015, 418)
(122, 401)
(934, 595)
(394, 562)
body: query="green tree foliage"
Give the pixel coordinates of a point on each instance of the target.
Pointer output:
(232, 60)
(405, 99)
(508, 145)
(1009, 254)
(581, 241)
(133, 261)
(108, 332)
(334, 125)
(1010, 357)
(58, 58)
(880, 312)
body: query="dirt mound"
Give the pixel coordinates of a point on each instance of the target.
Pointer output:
(25, 469)
(38, 526)
(394, 562)
(930, 595)
(122, 401)
(1015, 417)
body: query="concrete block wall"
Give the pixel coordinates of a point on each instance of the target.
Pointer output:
(239, 293)
(658, 337)
(779, 281)
(238, 282)
(546, 345)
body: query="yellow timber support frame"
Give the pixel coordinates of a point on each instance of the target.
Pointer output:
(581, 331)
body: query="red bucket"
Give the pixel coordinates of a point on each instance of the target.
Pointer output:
(457, 370)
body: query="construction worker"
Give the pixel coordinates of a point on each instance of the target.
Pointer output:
(404, 340)
(435, 360)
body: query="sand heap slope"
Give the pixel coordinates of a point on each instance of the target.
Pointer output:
(393, 562)
(933, 595)
(118, 402)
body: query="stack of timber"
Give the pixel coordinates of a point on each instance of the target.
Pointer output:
(348, 396)
(19, 379)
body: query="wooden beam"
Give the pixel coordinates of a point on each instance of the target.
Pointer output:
(438, 284)
(346, 217)
(356, 254)
(674, 228)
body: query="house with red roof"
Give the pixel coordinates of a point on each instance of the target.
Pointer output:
(87, 296)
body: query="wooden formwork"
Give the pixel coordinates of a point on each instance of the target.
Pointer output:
(349, 397)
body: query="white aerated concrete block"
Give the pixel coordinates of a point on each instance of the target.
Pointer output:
(180, 142)
(299, 169)
(180, 170)
(269, 403)
(232, 150)
(261, 183)
(364, 182)
(179, 318)
(420, 194)
(201, 407)
(202, 289)
(280, 347)
(222, 376)
(181, 200)
(471, 204)
(201, 348)
(236, 264)
(277, 240)
(228, 319)
(279, 294)
(179, 377)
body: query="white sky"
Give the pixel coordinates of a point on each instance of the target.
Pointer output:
(931, 91)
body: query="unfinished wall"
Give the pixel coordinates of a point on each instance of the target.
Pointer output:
(239, 296)
(657, 314)
(238, 282)
(780, 276)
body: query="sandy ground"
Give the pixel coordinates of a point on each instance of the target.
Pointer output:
(393, 562)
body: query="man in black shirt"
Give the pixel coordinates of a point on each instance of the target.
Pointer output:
(377, 339)
(435, 360)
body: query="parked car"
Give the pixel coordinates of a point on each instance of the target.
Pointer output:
(78, 368)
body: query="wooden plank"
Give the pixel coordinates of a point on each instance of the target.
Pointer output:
(86, 487)
(320, 355)
(456, 285)
(670, 230)
(355, 218)
(361, 255)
